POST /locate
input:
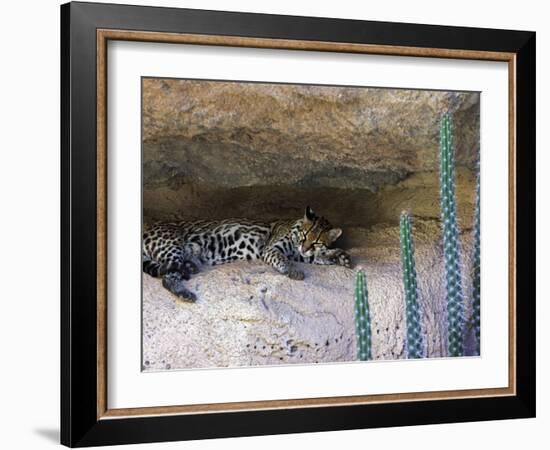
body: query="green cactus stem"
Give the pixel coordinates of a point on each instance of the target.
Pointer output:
(451, 243)
(415, 342)
(476, 314)
(362, 318)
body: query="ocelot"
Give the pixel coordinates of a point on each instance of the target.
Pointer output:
(174, 250)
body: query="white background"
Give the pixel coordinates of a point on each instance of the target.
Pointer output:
(29, 186)
(128, 387)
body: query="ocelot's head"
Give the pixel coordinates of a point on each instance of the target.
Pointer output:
(315, 234)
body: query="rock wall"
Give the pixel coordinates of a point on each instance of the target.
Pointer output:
(220, 149)
(418, 193)
(243, 134)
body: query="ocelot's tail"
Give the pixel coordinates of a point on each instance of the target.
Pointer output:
(151, 267)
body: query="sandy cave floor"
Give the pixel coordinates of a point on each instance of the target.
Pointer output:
(249, 315)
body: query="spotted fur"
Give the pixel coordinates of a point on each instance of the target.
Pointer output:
(174, 251)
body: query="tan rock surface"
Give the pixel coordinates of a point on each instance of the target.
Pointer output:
(229, 134)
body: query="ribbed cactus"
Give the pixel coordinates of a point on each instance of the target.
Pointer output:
(475, 272)
(362, 318)
(415, 342)
(451, 244)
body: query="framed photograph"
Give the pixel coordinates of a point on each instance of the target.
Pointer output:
(276, 224)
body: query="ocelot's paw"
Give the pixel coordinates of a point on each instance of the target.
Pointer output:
(295, 274)
(186, 297)
(341, 258)
(190, 267)
(174, 283)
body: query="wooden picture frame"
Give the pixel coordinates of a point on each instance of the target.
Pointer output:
(86, 418)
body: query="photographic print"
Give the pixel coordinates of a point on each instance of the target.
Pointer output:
(307, 224)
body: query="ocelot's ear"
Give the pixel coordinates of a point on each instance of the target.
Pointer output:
(334, 234)
(309, 215)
